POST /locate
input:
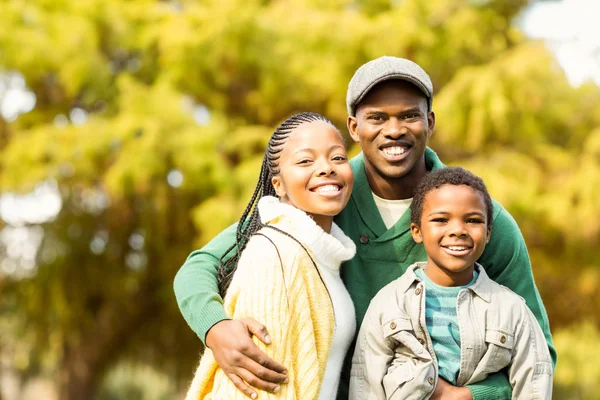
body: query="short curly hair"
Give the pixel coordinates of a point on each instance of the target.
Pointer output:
(448, 176)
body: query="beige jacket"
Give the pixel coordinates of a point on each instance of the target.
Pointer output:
(394, 356)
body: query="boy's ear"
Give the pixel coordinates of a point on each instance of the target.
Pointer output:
(489, 234)
(278, 186)
(416, 233)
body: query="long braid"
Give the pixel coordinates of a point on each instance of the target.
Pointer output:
(249, 222)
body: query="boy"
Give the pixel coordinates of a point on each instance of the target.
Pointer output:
(445, 317)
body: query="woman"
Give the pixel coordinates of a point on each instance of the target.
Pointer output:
(285, 270)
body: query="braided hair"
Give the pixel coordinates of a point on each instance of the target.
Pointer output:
(250, 222)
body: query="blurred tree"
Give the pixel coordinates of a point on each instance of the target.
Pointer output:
(150, 122)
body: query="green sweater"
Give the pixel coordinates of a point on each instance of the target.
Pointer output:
(382, 256)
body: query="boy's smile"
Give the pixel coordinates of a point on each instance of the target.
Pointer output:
(454, 230)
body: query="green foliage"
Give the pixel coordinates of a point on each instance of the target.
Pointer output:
(176, 101)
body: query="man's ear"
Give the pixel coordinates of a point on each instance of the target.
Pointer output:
(416, 233)
(430, 123)
(352, 124)
(278, 186)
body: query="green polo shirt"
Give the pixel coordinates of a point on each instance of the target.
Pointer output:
(382, 256)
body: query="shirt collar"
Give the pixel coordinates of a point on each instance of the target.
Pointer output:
(482, 287)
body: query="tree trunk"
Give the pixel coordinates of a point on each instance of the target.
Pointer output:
(77, 375)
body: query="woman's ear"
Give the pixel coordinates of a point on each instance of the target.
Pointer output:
(278, 186)
(416, 232)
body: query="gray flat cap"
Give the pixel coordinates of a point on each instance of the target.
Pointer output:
(383, 69)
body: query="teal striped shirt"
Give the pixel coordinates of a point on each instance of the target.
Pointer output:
(442, 324)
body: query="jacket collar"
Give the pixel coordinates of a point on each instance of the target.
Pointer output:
(482, 287)
(362, 196)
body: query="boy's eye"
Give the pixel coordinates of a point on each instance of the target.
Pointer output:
(304, 161)
(441, 220)
(340, 158)
(474, 221)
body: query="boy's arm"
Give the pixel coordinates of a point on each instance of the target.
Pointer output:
(530, 371)
(197, 294)
(507, 262)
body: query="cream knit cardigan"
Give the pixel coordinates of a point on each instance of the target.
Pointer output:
(288, 296)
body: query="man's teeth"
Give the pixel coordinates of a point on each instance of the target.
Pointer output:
(394, 151)
(457, 248)
(327, 189)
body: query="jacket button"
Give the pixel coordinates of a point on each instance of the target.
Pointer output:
(430, 380)
(364, 239)
(502, 339)
(418, 291)
(421, 341)
(393, 325)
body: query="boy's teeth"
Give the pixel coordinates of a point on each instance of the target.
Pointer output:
(327, 189)
(394, 151)
(457, 248)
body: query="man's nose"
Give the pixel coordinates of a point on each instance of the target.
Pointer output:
(394, 128)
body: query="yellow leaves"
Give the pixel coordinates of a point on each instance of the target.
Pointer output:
(577, 371)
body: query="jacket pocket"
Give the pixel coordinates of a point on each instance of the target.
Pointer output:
(399, 332)
(395, 379)
(500, 345)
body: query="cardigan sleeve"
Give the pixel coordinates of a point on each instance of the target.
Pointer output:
(268, 286)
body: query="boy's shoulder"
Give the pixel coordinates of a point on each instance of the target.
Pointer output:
(500, 298)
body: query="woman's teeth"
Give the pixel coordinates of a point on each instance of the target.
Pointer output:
(327, 189)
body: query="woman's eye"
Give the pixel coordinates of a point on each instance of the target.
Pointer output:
(340, 158)
(305, 161)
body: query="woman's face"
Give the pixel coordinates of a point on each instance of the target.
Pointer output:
(314, 173)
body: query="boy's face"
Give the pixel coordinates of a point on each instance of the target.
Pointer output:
(454, 231)
(392, 125)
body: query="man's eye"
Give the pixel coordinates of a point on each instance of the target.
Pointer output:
(411, 116)
(376, 118)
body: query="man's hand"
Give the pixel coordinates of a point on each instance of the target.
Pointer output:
(243, 362)
(445, 391)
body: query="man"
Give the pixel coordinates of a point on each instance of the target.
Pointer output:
(390, 114)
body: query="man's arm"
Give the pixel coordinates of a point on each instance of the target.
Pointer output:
(507, 262)
(196, 287)
(197, 294)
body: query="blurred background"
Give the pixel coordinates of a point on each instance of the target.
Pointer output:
(131, 133)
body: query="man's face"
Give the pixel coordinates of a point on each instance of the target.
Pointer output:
(392, 125)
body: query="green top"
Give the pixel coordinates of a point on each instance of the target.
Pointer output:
(382, 255)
